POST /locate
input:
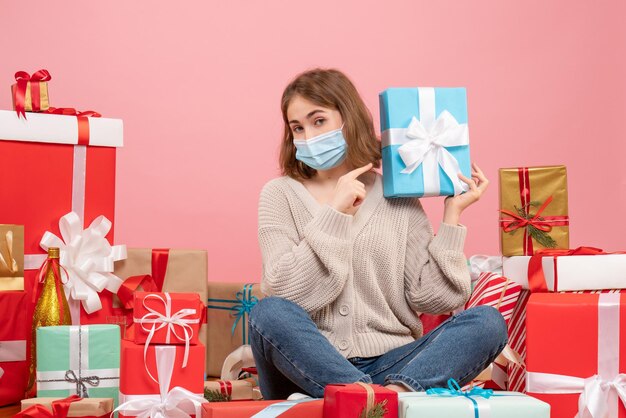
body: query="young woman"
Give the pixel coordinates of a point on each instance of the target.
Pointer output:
(346, 270)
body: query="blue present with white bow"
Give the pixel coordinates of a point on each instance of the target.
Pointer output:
(425, 141)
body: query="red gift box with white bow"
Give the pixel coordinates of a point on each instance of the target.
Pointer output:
(167, 318)
(52, 165)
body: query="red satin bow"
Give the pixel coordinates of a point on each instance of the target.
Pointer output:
(23, 78)
(520, 222)
(60, 409)
(81, 116)
(149, 283)
(536, 277)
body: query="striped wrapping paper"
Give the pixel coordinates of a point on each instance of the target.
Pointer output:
(517, 339)
(494, 290)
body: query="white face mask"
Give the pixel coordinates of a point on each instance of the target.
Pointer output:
(322, 152)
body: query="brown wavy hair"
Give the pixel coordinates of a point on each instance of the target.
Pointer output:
(332, 89)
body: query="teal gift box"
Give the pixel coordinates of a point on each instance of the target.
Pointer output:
(81, 360)
(425, 141)
(498, 405)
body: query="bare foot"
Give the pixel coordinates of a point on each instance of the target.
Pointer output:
(397, 388)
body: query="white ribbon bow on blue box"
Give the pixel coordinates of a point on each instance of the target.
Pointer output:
(425, 141)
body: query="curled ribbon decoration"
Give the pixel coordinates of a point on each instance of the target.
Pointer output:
(455, 390)
(170, 321)
(87, 257)
(9, 262)
(60, 408)
(23, 78)
(81, 388)
(175, 403)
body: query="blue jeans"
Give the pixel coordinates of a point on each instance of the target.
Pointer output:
(291, 354)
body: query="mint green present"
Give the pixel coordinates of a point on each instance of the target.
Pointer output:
(497, 405)
(82, 360)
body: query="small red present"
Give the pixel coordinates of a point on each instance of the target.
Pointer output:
(140, 375)
(167, 318)
(162, 376)
(14, 334)
(350, 400)
(308, 408)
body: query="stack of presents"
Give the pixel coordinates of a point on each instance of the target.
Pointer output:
(91, 328)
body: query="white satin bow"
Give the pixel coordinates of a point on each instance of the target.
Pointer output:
(431, 144)
(87, 257)
(175, 403)
(594, 391)
(169, 320)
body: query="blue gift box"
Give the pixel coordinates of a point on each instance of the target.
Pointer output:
(429, 124)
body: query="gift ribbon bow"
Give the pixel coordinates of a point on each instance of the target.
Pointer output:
(175, 403)
(455, 390)
(81, 388)
(242, 305)
(60, 408)
(170, 321)
(516, 221)
(596, 399)
(87, 257)
(9, 262)
(23, 78)
(431, 144)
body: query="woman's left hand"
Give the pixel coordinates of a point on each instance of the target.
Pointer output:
(455, 205)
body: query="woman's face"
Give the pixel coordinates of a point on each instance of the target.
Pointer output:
(308, 120)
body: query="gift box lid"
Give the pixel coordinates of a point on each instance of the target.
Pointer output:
(60, 129)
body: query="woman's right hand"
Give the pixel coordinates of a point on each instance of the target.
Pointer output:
(349, 192)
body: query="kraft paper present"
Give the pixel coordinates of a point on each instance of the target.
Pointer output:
(227, 318)
(44, 99)
(175, 270)
(86, 407)
(533, 205)
(11, 257)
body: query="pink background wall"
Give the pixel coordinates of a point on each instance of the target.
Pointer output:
(198, 85)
